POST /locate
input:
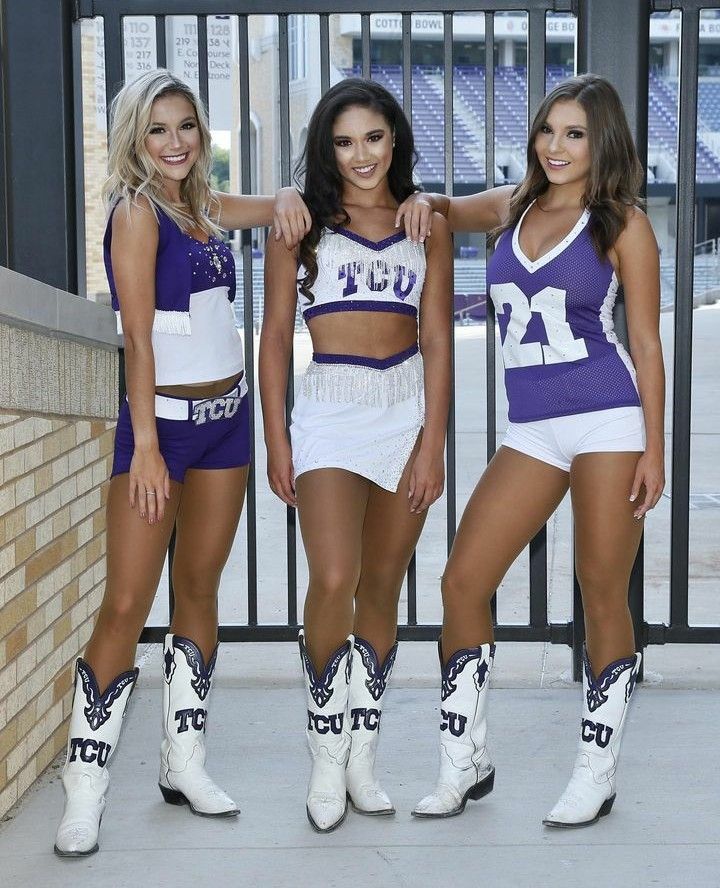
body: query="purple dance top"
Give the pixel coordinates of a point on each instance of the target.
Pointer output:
(559, 346)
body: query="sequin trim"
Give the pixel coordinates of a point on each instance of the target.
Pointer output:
(352, 384)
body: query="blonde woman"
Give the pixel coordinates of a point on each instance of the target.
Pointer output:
(182, 445)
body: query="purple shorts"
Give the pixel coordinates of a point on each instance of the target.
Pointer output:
(209, 433)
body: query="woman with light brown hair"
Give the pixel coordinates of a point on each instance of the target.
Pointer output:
(584, 417)
(182, 443)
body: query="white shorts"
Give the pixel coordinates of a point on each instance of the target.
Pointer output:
(559, 440)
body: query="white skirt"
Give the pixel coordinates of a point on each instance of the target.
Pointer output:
(364, 419)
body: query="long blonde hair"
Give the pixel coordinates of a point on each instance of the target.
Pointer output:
(131, 170)
(616, 174)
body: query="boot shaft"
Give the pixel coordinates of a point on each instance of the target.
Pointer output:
(368, 682)
(605, 705)
(463, 706)
(186, 695)
(327, 698)
(96, 717)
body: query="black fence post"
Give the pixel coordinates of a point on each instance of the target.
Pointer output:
(39, 210)
(613, 39)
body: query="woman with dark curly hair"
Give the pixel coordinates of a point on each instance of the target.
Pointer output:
(365, 455)
(584, 416)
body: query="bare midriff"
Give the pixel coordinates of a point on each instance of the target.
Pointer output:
(370, 334)
(200, 389)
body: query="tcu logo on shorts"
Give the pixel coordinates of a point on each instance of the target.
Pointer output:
(194, 717)
(89, 751)
(325, 724)
(224, 407)
(365, 718)
(451, 721)
(591, 730)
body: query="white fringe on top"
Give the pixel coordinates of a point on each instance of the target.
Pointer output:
(173, 322)
(350, 384)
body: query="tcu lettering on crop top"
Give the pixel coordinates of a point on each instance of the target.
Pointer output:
(194, 337)
(560, 349)
(357, 274)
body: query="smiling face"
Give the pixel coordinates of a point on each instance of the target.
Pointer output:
(562, 145)
(363, 144)
(173, 140)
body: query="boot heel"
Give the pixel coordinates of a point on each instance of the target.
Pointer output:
(172, 796)
(606, 806)
(485, 787)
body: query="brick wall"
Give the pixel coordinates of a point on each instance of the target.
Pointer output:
(58, 396)
(52, 570)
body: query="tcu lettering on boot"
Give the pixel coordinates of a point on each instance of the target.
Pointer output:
(215, 408)
(453, 722)
(377, 276)
(196, 717)
(89, 750)
(365, 718)
(324, 724)
(596, 731)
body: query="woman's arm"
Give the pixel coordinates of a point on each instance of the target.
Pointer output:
(276, 341)
(436, 313)
(133, 252)
(639, 269)
(286, 212)
(476, 212)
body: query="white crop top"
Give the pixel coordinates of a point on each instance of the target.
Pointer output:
(357, 274)
(212, 350)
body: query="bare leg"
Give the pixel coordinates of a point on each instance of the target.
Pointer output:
(207, 521)
(136, 553)
(511, 502)
(331, 507)
(389, 536)
(606, 543)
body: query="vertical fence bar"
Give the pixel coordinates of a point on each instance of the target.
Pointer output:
(202, 49)
(490, 357)
(290, 521)
(535, 93)
(365, 43)
(613, 40)
(450, 190)
(248, 327)
(160, 41)
(79, 140)
(682, 370)
(324, 52)
(491, 382)
(407, 108)
(113, 37)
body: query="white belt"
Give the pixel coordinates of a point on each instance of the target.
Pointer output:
(184, 408)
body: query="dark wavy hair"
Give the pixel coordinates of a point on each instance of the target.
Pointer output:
(317, 173)
(616, 174)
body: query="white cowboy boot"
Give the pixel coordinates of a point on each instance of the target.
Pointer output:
(466, 771)
(186, 692)
(328, 736)
(591, 791)
(93, 736)
(368, 681)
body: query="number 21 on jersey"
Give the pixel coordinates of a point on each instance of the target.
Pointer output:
(549, 303)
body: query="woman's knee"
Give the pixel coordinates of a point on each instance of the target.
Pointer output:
(331, 585)
(124, 614)
(461, 590)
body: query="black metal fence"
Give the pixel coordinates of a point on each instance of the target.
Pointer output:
(612, 39)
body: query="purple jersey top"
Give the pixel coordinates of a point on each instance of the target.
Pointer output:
(559, 346)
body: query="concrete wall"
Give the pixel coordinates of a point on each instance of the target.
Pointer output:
(58, 400)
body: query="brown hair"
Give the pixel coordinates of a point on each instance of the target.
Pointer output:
(616, 174)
